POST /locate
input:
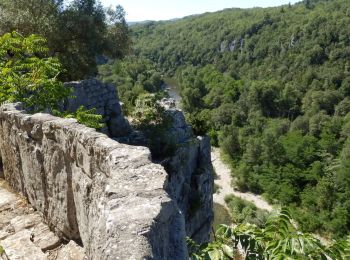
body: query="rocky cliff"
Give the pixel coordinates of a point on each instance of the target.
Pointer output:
(108, 196)
(191, 177)
(104, 97)
(105, 195)
(189, 170)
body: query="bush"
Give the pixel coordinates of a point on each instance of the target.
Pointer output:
(84, 116)
(243, 211)
(28, 74)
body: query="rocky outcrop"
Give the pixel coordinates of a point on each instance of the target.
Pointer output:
(24, 235)
(191, 177)
(190, 170)
(93, 93)
(107, 196)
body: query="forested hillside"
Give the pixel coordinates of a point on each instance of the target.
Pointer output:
(272, 88)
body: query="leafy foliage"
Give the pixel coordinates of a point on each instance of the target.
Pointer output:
(148, 111)
(278, 239)
(104, 31)
(134, 78)
(242, 211)
(84, 116)
(154, 121)
(28, 74)
(140, 87)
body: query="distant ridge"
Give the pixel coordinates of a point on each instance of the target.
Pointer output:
(151, 21)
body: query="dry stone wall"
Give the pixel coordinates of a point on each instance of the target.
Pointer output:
(93, 93)
(190, 171)
(105, 195)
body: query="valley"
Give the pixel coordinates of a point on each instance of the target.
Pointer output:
(139, 140)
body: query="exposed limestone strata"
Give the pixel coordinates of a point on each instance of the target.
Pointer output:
(190, 170)
(191, 177)
(91, 188)
(93, 93)
(23, 235)
(106, 195)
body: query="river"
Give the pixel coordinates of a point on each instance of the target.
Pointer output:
(173, 91)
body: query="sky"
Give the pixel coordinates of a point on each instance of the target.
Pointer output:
(141, 10)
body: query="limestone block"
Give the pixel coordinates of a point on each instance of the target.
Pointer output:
(43, 238)
(71, 251)
(19, 247)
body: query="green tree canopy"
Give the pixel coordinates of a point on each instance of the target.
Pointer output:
(28, 74)
(77, 32)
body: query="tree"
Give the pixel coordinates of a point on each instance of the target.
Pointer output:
(77, 31)
(30, 16)
(28, 74)
(308, 4)
(148, 111)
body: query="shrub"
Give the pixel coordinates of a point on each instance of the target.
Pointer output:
(28, 74)
(84, 116)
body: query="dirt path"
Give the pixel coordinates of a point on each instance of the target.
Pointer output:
(224, 181)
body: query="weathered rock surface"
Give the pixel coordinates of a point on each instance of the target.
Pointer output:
(24, 235)
(71, 251)
(190, 170)
(93, 93)
(107, 196)
(89, 188)
(19, 246)
(191, 177)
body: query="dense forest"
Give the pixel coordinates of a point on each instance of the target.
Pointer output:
(272, 88)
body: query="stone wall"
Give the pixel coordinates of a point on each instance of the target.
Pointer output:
(189, 170)
(105, 195)
(93, 93)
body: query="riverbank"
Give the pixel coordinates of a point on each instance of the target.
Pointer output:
(223, 172)
(223, 180)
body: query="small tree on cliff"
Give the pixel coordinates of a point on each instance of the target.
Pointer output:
(28, 74)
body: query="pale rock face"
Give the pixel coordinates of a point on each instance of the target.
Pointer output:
(108, 195)
(93, 93)
(19, 245)
(69, 252)
(24, 235)
(91, 188)
(191, 178)
(190, 170)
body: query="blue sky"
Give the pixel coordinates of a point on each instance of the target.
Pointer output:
(140, 10)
